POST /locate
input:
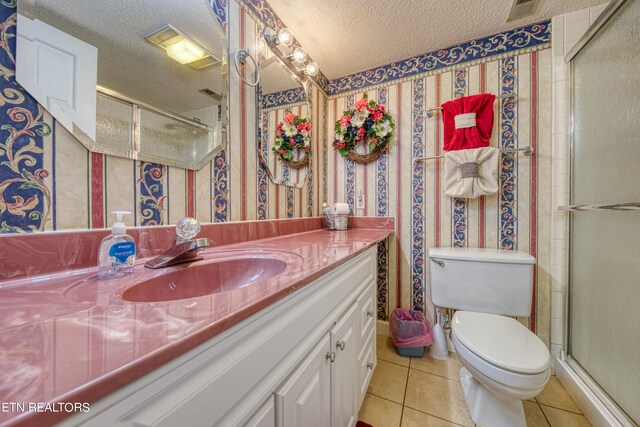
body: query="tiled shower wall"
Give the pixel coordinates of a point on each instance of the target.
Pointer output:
(49, 181)
(515, 219)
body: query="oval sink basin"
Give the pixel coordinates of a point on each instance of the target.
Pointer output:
(204, 278)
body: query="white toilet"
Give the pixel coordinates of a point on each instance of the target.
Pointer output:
(504, 362)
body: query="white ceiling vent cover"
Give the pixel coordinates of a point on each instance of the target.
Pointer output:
(522, 8)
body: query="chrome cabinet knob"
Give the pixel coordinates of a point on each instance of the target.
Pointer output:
(370, 365)
(331, 355)
(370, 313)
(341, 345)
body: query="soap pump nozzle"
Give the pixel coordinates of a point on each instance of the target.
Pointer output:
(118, 226)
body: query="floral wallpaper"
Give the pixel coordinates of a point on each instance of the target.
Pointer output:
(25, 198)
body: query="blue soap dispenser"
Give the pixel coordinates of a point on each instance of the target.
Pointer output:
(117, 254)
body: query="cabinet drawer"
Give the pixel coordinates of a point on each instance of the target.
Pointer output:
(366, 365)
(367, 312)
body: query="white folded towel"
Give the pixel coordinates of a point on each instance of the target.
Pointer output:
(471, 173)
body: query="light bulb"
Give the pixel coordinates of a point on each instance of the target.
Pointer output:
(285, 37)
(299, 55)
(184, 51)
(312, 69)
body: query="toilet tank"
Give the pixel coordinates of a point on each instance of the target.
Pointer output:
(482, 280)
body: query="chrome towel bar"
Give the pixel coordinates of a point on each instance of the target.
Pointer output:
(633, 206)
(505, 97)
(527, 151)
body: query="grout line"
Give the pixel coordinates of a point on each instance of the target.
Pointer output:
(560, 409)
(435, 416)
(436, 375)
(384, 398)
(543, 414)
(404, 398)
(390, 361)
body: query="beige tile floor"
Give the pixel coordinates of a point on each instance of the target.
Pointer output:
(425, 392)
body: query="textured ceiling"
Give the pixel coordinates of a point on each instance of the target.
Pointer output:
(345, 37)
(127, 63)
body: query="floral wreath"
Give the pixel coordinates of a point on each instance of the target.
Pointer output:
(292, 136)
(366, 123)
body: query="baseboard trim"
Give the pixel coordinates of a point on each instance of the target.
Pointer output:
(382, 328)
(598, 414)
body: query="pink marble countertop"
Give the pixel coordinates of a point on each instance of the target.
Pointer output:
(65, 337)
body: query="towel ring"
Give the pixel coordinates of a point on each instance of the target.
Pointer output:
(241, 56)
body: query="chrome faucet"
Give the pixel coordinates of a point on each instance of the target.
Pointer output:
(185, 247)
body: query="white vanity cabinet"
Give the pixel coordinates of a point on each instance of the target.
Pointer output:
(306, 360)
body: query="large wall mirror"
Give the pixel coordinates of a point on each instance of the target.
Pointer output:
(284, 121)
(147, 81)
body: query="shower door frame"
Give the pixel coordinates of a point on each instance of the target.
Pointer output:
(603, 398)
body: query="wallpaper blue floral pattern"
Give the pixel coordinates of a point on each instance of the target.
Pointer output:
(25, 198)
(497, 44)
(285, 97)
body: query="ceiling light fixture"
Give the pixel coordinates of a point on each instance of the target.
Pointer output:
(184, 51)
(181, 48)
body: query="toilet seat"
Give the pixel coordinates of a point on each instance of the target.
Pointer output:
(501, 341)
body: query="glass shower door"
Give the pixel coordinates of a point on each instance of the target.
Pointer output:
(604, 260)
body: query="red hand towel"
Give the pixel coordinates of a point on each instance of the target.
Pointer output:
(471, 137)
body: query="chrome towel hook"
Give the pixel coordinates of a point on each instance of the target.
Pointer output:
(241, 56)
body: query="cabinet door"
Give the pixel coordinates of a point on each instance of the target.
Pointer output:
(305, 398)
(265, 416)
(60, 71)
(345, 340)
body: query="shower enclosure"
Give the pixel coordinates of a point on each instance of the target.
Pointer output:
(603, 321)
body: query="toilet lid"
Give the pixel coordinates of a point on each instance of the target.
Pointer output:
(501, 341)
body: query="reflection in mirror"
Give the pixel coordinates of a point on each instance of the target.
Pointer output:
(283, 116)
(145, 81)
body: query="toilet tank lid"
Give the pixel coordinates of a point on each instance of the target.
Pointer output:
(482, 255)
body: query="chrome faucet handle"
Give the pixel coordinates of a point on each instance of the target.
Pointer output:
(186, 229)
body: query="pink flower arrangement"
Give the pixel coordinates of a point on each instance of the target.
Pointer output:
(292, 136)
(367, 122)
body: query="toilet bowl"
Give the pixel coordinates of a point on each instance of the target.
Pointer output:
(504, 364)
